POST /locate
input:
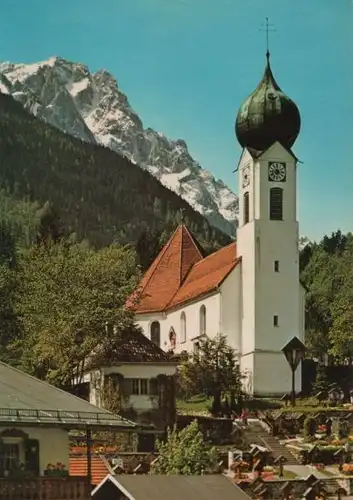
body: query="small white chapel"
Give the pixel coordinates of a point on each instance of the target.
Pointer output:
(249, 290)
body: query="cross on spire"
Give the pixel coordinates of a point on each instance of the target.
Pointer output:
(267, 27)
(182, 215)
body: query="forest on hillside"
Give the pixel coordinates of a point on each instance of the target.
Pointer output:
(99, 195)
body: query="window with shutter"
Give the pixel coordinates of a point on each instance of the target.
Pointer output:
(154, 387)
(276, 203)
(246, 207)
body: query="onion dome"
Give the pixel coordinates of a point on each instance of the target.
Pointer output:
(267, 116)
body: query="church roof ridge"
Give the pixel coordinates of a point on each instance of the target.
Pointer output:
(159, 257)
(213, 254)
(184, 229)
(167, 273)
(197, 285)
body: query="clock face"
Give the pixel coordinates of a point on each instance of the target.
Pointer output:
(246, 177)
(276, 171)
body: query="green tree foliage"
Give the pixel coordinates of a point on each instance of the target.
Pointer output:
(327, 270)
(185, 452)
(50, 228)
(20, 217)
(68, 293)
(321, 381)
(213, 371)
(9, 325)
(97, 194)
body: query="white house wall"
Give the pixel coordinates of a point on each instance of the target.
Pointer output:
(53, 445)
(140, 402)
(148, 370)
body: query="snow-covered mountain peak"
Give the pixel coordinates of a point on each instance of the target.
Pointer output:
(91, 106)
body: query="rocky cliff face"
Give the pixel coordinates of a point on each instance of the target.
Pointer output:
(91, 106)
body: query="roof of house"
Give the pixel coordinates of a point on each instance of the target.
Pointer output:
(158, 487)
(134, 347)
(99, 468)
(180, 273)
(27, 400)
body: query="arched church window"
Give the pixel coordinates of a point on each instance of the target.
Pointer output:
(203, 320)
(172, 338)
(182, 327)
(156, 333)
(276, 203)
(246, 207)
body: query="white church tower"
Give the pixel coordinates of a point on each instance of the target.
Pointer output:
(267, 125)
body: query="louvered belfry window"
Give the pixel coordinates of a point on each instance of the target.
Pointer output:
(246, 206)
(276, 203)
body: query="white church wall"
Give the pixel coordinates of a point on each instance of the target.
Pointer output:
(245, 245)
(192, 316)
(277, 293)
(273, 376)
(144, 321)
(231, 308)
(172, 319)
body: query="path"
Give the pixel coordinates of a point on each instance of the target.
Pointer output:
(305, 471)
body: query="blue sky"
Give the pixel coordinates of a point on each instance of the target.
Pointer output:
(186, 66)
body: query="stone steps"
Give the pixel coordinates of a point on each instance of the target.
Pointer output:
(256, 434)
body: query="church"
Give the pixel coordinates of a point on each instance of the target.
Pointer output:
(249, 290)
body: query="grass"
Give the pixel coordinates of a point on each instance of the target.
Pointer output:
(313, 409)
(309, 405)
(327, 473)
(288, 474)
(195, 404)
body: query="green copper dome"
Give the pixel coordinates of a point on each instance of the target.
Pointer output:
(267, 116)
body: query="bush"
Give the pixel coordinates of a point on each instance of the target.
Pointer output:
(309, 427)
(261, 404)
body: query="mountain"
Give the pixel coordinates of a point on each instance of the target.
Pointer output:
(92, 107)
(97, 193)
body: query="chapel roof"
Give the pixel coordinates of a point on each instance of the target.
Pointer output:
(133, 347)
(180, 274)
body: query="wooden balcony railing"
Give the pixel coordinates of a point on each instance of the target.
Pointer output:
(45, 488)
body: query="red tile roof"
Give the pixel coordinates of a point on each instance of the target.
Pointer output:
(78, 467)
(180, 274)
(207, 275)
(166, 274)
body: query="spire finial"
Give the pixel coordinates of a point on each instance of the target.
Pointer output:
(267, 27)
(182, 215)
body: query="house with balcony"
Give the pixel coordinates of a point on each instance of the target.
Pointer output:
(137, 379)
(35, 420)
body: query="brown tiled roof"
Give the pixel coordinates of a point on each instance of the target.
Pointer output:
(207, 275)
(134, 347)
(180, 274)
(166, 274)
(159, 487)
(99, 468)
